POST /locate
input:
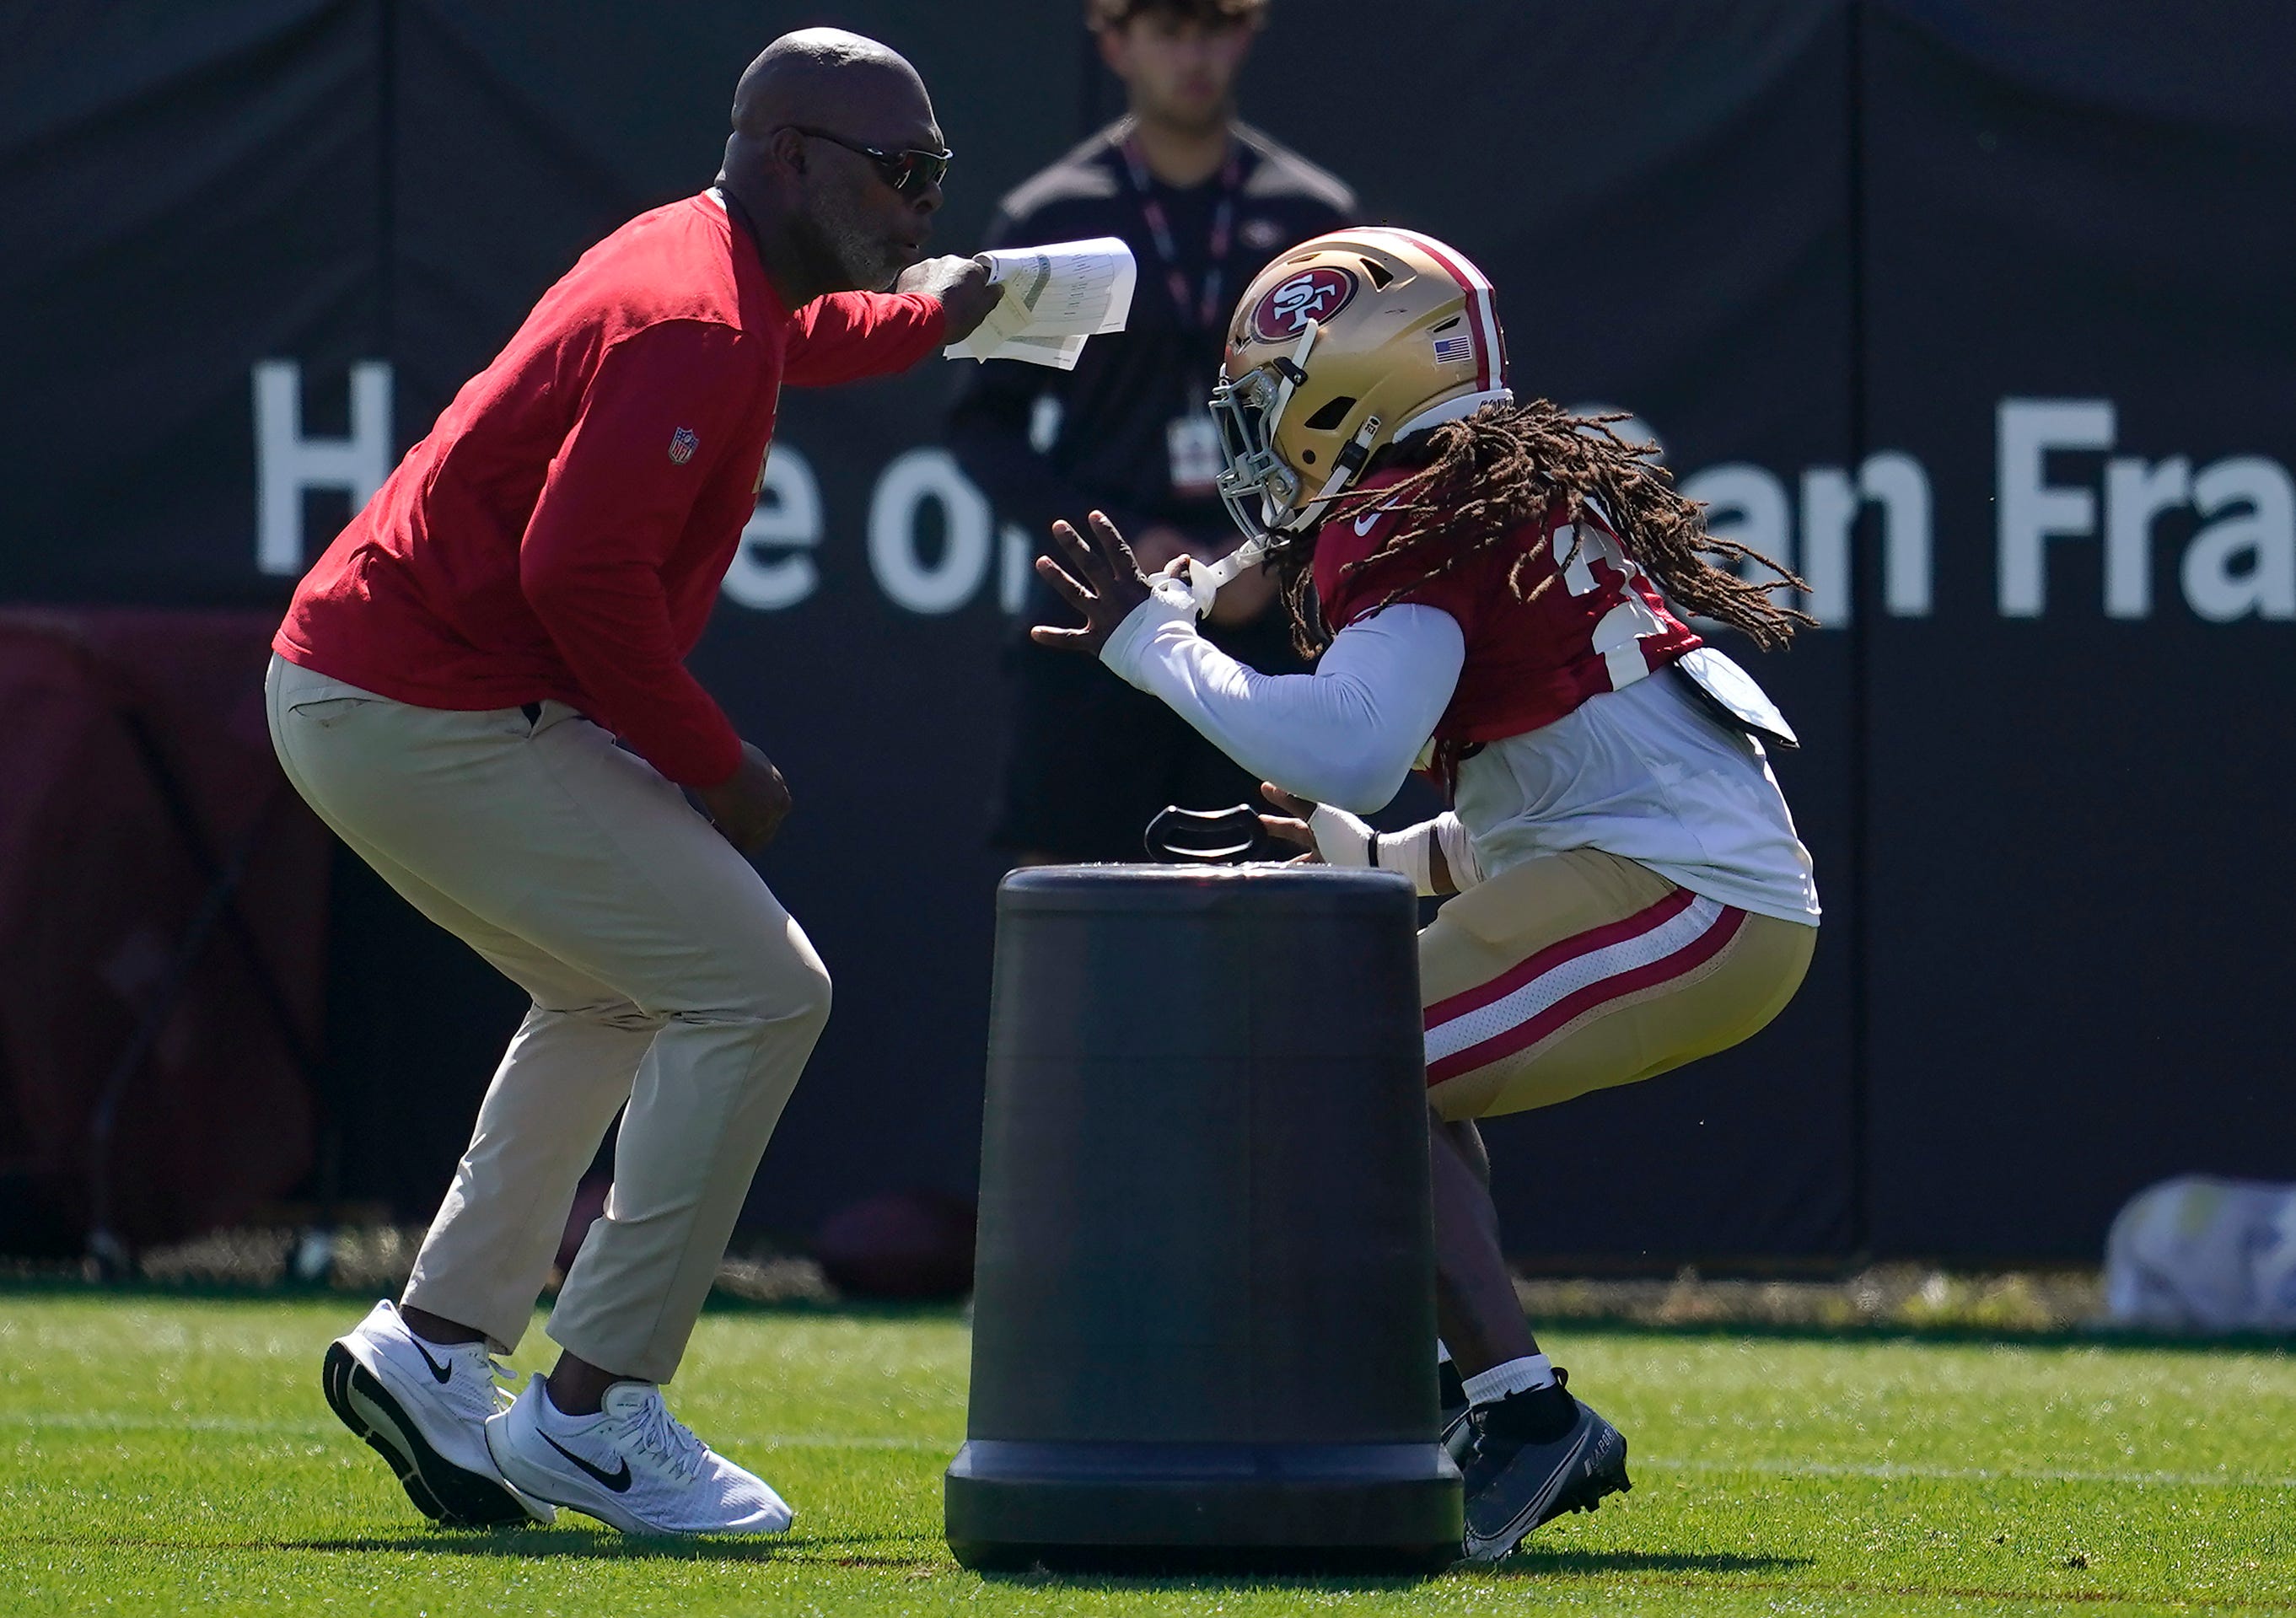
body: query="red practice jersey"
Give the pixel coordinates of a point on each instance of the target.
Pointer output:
(1598, 626)
(564, 529)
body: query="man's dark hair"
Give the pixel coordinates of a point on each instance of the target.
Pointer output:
(1477, 479)
(1100, 14)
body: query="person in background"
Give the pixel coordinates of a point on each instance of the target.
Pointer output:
(1204, 202)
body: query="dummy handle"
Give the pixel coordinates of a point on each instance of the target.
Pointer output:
(1204, 837)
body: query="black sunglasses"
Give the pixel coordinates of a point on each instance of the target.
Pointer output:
(908, 172)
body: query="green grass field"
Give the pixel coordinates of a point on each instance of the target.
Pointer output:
(167, 1456)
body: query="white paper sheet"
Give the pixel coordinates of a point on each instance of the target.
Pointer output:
(1056, 296)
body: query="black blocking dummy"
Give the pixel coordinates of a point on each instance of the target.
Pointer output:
(1204, 1325)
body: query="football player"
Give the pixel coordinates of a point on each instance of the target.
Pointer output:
(1489, 584)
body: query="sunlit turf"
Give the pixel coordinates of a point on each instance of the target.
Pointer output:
(167, 1456)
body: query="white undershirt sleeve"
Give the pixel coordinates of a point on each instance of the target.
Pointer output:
(1346, 735)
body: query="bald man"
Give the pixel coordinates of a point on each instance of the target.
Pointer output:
(448, 692)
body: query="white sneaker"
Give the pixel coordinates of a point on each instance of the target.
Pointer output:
(423, 1407)
(633, 1466)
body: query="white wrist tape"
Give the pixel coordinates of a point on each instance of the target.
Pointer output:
(1341, 838)
(1458, 851)
(1407, 852)
(1412, 851)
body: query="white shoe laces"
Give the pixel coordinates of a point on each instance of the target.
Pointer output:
(484, 1394)
(668, 1441)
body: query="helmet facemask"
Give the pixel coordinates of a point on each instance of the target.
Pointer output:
(1260, 492)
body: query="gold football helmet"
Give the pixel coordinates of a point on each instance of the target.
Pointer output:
(1341, 346)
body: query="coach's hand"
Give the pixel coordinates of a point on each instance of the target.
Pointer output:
(1101, 581)
(749, 809)
(962, 285)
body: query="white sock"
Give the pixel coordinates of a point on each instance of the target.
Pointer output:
(1515, 1376)
(1442, 1352)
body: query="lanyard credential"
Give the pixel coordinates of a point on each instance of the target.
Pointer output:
(1207, 311)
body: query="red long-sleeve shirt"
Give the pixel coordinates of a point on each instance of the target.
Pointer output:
(564, 529)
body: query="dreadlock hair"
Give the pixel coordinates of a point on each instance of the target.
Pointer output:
(1478, 479)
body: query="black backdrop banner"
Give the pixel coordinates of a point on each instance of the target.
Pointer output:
(1975, 314)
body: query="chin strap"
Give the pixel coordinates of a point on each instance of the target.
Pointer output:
(1350, 462)
(1205, 579)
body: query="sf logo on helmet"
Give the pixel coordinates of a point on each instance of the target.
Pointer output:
(1313, 294)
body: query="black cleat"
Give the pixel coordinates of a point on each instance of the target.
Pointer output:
(1458, 1440)
(1514, 1483)
(1458, 1428)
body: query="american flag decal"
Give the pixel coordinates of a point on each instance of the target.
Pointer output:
(1452, 349)
(682, 443)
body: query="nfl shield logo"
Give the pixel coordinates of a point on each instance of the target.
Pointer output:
(682, 443)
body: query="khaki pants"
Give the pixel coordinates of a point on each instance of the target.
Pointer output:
(1581, 970)
(665, 976)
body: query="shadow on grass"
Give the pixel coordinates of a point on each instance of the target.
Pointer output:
(607, 1545)
(919, 1557)
(1527, 1564)
(1535, 1563)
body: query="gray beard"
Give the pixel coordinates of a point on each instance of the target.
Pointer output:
(864, 261)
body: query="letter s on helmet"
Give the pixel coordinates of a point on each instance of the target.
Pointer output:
(1343, 345)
